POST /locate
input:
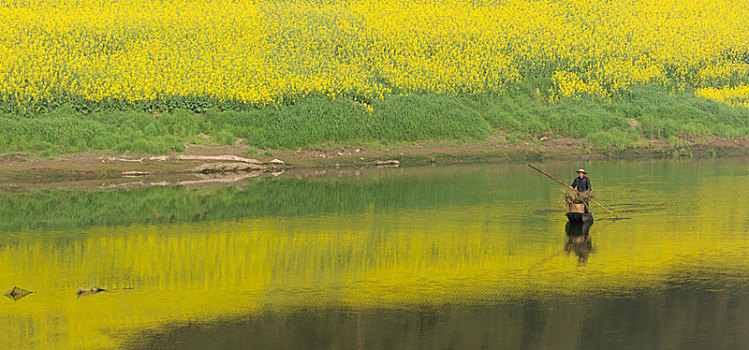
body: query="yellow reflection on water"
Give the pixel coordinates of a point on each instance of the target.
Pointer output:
(377, 258)
(205, 271)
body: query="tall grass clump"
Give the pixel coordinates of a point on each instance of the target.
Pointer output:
(649, 112)
(306, 123)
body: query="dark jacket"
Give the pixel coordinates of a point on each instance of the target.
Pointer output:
(582, 184)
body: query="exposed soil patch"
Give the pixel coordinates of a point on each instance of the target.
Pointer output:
(564, 143)
(18, 170)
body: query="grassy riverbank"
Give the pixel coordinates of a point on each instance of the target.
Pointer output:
(138, 77)
(524, 113)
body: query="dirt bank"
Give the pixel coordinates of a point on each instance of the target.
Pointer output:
(23, 170)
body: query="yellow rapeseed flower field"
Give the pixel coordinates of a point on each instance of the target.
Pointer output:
(272, 51)
(735, 96)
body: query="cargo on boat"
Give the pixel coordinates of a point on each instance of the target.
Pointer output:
(579, 213)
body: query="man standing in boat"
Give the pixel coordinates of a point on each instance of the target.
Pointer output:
(582, 183)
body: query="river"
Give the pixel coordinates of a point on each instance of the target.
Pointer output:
(444, 256)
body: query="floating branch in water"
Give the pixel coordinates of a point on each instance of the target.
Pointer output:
(386, 163)
(17, 293)
(83, 291)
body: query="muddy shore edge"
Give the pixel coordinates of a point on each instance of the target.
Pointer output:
(21, 171)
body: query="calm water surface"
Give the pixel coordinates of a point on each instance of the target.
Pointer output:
(463, 256)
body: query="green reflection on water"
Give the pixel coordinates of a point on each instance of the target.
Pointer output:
(399, 240)
(673, 319)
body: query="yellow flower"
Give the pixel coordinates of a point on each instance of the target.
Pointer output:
(270, 51)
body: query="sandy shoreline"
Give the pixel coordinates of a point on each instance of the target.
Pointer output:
(19, 171)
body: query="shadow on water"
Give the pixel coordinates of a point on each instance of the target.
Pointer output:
(672, 319)
(548, 212)
(638, 207)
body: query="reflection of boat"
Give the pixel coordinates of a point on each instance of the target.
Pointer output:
(578, 239)
(578, 227)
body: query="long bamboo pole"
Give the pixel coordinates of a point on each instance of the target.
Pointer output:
(570, 187)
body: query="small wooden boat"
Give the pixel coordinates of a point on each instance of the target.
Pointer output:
(580, 217)
(579, 213)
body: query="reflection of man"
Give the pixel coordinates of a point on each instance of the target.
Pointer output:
(581, 245)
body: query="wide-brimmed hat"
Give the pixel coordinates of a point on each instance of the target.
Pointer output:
(581, 171)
